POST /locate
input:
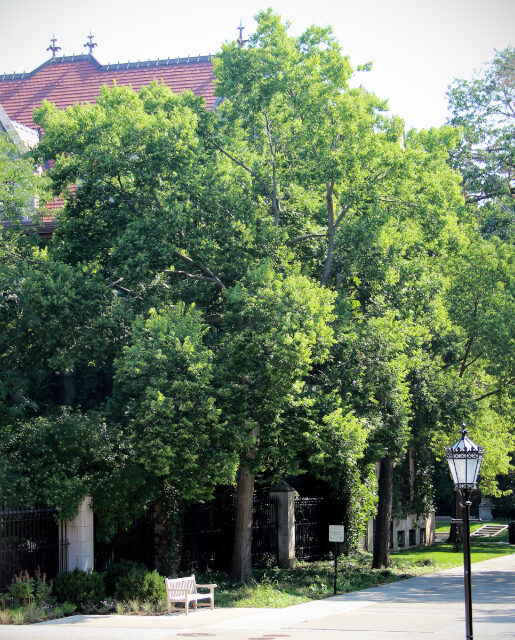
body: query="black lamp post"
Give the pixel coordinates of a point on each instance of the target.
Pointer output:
(464, 460)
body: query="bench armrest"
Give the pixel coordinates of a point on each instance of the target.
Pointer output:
(207, 586)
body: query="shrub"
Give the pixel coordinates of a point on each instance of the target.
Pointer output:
(120, 608)
(19, 616)
(118, 570)
(134, 606)
(68, 608)
(5, 616)
(35, 614)
(21, 588)
(42, 588)
(80, 588)
(141, 584)
(24, 589)
(148, 607)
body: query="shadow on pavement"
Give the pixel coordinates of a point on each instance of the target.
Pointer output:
(488, 586)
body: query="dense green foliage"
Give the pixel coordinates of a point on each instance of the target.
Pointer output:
(20, 185)
(483, 108)
(310, 581)
(141, 584)
(290, 284)
(81, 588)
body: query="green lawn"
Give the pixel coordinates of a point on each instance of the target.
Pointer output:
(444, 527)
(443, 555)
(314, 580)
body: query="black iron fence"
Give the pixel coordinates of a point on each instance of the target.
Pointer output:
(311, 528)
(208, 532)
(264, 530)
(136, 543)
(31, 540)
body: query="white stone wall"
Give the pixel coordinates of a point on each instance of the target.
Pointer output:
(80, 537)
(285, 496)
(426, 524)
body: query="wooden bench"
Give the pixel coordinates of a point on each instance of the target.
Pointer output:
(185, 590)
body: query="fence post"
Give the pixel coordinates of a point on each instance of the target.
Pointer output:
(80, 535)
(285, 496)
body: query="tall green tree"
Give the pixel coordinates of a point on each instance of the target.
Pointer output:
(483, 107)
(368, 212)
(277, 329)
(160, 219)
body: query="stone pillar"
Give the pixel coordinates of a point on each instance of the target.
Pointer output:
(80, 536)
(366, 542)
(485, 508)
(430, 527)
(285, 496)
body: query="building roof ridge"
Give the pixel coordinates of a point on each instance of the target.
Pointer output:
(87, 57)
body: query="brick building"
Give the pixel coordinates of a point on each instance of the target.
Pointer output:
(66, 80)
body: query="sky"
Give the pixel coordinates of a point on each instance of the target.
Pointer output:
(417, 47)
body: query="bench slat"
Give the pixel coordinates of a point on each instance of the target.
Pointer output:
(185, 590)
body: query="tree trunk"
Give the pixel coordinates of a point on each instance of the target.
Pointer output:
(167, 532)
(328, 266)
(384, 514)
(241, 564)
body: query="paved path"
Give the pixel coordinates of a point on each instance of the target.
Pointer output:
(426, 608)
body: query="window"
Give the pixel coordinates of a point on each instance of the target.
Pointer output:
(401, 538)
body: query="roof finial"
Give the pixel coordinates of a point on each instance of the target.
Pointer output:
(52, 47)
(240, 40)
(91, 44)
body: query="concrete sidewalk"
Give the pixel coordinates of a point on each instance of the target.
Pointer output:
(429, 607)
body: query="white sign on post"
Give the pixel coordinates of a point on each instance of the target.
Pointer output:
(336, 532)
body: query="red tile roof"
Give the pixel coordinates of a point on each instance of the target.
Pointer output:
(66, 80)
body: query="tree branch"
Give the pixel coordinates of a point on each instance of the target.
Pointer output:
(116, 285)
(191, 276)
(340, 218)
(205, 270)
(467, 351)
(492, 393)
(275, 200)
(473, 360)
(328, 266)
(305, 237)
(244, 166)
(398, 201)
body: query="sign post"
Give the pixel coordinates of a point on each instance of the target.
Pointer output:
(336, 534)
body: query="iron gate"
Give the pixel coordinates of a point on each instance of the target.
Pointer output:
(311, 528)
(31, 540)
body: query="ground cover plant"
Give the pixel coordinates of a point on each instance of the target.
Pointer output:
(275, 587)
(271, 587)
(127, 587)
(29, 599)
